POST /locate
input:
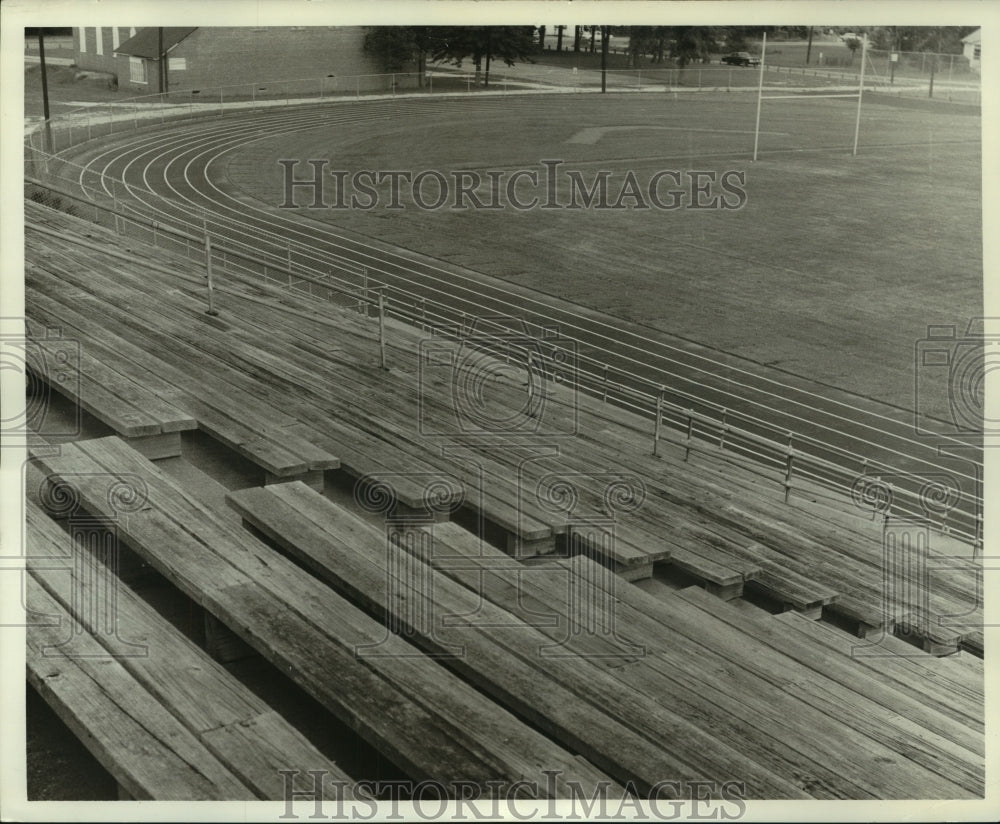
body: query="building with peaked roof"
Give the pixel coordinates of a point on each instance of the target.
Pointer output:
(972, 49)
(94, 47)
(248, 60)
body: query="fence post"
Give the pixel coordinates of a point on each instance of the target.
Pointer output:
(357, 83)
(722, 431)
(364, 291)
(222, 108)
(657, 421)
(789, 458)
(111, 118)
(423, 314)
(381, 327)
(208, 273)
(604, 394)
(690, 434)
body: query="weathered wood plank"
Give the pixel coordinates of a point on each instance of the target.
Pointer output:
(415, 711)
(582, 706)
(235, 725)
(126, 729)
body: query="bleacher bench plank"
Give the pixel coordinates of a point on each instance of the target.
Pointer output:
(500, 654)
(407, 705)
(145, 748)
(245, 734)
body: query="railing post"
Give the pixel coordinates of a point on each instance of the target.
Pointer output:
(604, 393)
(690, 434)
(789, 458)
(381, 327)
(288, 247)
(657, 421)
(423, 314)
(364, 291)
(722, 431)
(208, 274)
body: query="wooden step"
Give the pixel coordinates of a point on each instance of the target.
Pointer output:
(618, 731)
(241, 731)
(407, 705)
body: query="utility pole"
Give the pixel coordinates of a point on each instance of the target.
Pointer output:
(489, 43)
(809, 45)
(559, 34)
(604, 59)
(162, 60)
(45, 87)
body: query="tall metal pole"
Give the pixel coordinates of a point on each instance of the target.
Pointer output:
(861, 89)
(604, 59)
(45, 88)
(760, 94)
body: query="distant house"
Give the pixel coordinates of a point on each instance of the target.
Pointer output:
(971, 48)
(246, 59)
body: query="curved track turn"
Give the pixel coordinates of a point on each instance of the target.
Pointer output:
(178, 173)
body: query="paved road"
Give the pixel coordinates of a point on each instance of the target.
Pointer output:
(179, 172)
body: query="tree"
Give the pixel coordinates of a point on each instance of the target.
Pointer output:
(400, 48)
(853, 44)
(453, 44)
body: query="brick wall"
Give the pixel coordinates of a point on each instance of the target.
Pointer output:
(94, 47)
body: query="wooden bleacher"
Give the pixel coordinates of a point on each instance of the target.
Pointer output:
(192, 731)
(293, 385)
(759, 692)
(420, 716)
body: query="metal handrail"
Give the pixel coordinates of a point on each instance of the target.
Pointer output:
(629, 397)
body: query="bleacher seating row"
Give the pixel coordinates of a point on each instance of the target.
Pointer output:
(565, 664)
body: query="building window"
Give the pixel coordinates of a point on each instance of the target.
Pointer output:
(137, 69)
(99, 40)
(176, 64)
(83, 41)
(975, 52)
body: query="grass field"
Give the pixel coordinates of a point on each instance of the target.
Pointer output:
(832, 269)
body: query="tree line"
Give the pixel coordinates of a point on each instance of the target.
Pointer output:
(410, 48)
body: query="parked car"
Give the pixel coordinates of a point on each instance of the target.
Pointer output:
(741, 59)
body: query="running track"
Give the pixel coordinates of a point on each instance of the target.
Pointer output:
(176, 172)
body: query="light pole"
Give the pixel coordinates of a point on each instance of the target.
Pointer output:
(45, 87)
